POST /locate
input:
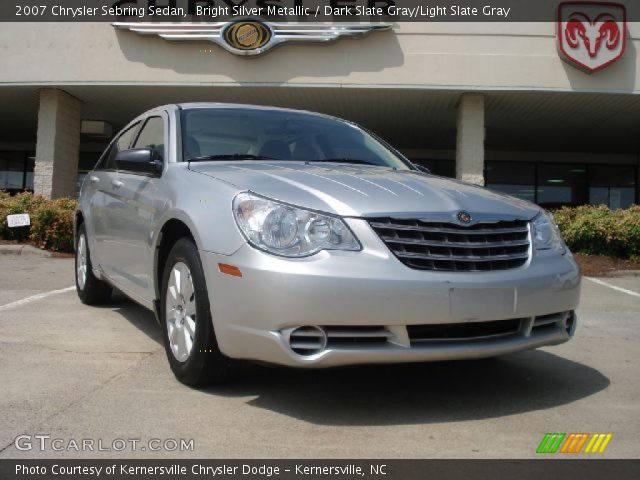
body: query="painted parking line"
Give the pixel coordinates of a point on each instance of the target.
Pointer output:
(34, 298)
(613, 287)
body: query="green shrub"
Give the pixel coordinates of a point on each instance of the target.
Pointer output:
(597, 230)
(51, 220)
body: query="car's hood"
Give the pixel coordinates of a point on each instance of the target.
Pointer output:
(355, 190)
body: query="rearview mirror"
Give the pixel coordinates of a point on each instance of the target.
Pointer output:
(139, 160)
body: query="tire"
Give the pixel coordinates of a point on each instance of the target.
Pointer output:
(189, 339)
(91, 290)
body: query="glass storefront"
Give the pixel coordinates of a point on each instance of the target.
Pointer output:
(16, 171)
(553, 185)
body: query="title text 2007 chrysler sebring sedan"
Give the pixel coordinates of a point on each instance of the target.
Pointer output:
(300, 239)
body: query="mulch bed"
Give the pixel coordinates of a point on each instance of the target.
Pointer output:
(601, 266)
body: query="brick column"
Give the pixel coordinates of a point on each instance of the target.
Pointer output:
(470, 139)
(58, 143)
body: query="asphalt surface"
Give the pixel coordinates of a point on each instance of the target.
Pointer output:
(75, 372)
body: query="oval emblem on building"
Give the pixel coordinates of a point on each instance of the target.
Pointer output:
(464, 217)
(247, 35)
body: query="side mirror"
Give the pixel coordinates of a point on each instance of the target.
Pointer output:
(139, 160)
(421, 168)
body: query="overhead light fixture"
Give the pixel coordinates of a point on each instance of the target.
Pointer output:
(577, 170)
(96, 128)
(555, 180)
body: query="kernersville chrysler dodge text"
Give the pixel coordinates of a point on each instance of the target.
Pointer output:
(300, 239)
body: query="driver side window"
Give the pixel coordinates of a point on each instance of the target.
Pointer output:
(122, 143)
(152, 136)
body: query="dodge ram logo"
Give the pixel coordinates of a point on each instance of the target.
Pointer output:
(591, 35)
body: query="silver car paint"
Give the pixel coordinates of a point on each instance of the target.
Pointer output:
(372, 287)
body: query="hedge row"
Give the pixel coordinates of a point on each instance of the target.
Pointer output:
(597, 230)
(594, 230)
(51, 220)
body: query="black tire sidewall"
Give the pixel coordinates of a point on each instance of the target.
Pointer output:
(205, 354)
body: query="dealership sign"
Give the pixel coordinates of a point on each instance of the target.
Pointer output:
(591, 35)
(251, 36)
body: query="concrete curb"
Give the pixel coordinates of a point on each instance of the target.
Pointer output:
(624, 273)
(23, 250)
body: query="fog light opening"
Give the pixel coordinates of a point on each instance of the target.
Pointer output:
(308, 340)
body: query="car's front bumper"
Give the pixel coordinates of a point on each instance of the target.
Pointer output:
(253, 314)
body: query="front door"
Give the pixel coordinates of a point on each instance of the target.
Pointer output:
(103, 205)
(137, 202)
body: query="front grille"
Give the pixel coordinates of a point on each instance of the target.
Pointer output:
(452, 332)
(442, 246)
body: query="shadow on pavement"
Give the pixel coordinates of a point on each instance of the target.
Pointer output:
(404, 393)
(419, 393)
(136, 315)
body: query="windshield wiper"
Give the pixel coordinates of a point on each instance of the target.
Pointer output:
(345, 160)
(230, 156)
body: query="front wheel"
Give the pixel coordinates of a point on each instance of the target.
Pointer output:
(189, 339)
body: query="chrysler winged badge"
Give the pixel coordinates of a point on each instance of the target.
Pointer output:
(250, 37)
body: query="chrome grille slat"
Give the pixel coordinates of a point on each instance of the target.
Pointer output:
(435, 243)
(463, 258)
(446, 230)
(442, 246)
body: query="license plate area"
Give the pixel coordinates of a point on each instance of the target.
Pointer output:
(468, 304)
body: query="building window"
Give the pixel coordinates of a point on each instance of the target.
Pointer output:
(31, 165)
(553, 185)
(561, 184)
(612, 185)
(517, 179)
(16, 171)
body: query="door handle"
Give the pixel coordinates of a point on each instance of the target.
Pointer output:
(94, 179)
(117, 183)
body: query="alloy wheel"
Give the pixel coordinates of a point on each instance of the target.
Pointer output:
(81, 262)
(180, 311)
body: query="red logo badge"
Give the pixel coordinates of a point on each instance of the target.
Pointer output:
(592, 35)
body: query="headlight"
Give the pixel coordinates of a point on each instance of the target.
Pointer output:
(546, 235)
(289, 231)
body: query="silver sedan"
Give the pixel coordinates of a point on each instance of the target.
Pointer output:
(300, 239)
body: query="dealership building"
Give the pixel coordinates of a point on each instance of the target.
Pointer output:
(505, 105)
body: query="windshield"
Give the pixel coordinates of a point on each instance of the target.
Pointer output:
(256, 134)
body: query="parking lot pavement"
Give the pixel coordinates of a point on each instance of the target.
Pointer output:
(75, 372)
(26, 275)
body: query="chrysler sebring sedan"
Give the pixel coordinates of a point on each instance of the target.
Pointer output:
(299, 239)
